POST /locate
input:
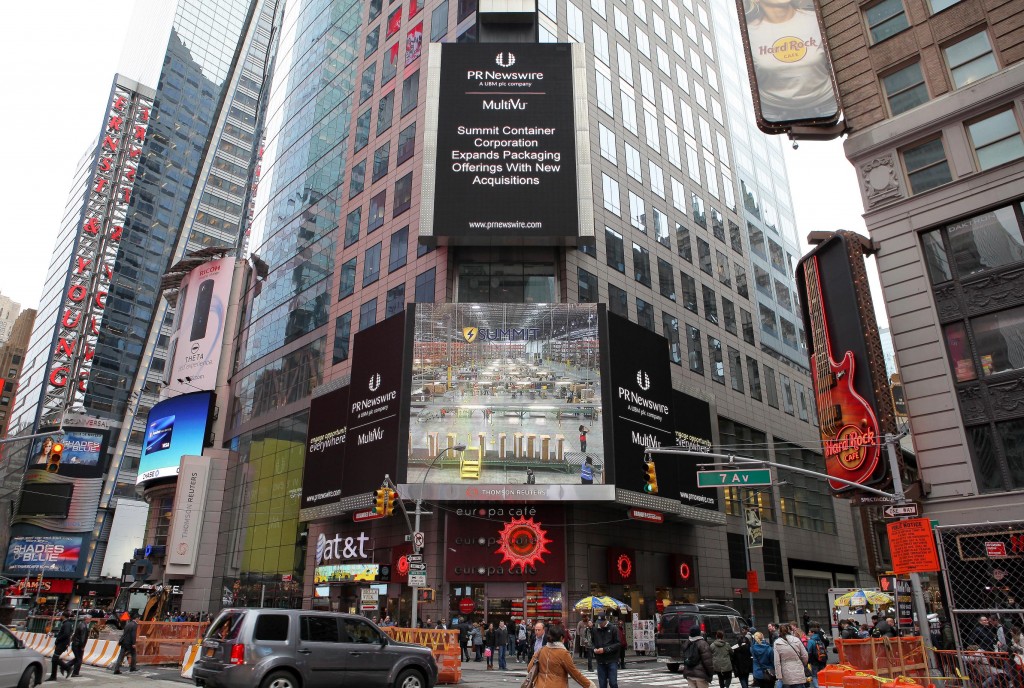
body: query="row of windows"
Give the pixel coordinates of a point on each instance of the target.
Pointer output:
(887, 18)
(995, 139)
(398, 254)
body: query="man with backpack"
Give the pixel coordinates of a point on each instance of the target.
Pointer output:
(78, 642)
(817, 651)
(698, 667)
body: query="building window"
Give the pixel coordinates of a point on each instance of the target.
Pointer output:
(729, 316)
(666, 279)
(939, 5)
(926, 166)
(399, 251)
(385, 112)
(735, 236)
(996, 337)
(696, 353)
(366, 85)
(371, 264)
(381, 157)
(741, 281)
(617, 301)
(425, 286)
(747, 323)
(970, 59)
(689, 292)
(439, 22)
(804, 504)
(886, 18)
(704, 256)
(357, 179)
(769, 321)
(996, 139)
(641, 265)
(347, 282)
(801, 401)
(670, 329)
(770, 388)
(754, 377)
(661, 228)
(683, 247)
(717, 363)
(368, 314)
(710, 304)
(787, 395)
(984, 242)
(403, 194)
(905, 89)
(410, 92)
(772, 554)
(735, 369)
(375, 218)
(395, 302)
(342, 337)
(375, 6)
(723, 268)
(406, 143)
(612, 201)
(615, 248)
(737, 548)
(587, 283)
(362, 131)
(352, 222)
(637, 212)
(607, 137)
(644, 314)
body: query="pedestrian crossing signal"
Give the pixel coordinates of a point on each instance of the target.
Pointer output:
(650, 478)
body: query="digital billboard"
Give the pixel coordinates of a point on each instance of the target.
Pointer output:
(199, 334)
(325, 448)
(510, 543)
(520, 386)
(854, 402)
(511, 163)
(692, 418)
(640, 398)
(46, 554)
(85, 448)
(46, 499)
(378, 412)
(789, 65)
(175, 427)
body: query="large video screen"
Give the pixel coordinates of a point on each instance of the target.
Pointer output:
(46, 554)
(176, 427)
(520, 386)
(46, 499)
(84, 454)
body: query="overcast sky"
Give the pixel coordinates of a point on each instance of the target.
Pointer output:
(59, 59)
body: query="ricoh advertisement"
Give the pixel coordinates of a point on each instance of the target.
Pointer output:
(176, 427)
(511, 163)
(519, 385)
(202, 310)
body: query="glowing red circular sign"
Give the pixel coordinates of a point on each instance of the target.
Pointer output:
(403, 565)
(467, 605)
(624, 565)
(684, 571)
(522, 543)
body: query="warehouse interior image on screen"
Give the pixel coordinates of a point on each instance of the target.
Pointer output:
(518, 384)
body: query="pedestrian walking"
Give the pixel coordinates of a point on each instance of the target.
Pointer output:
(721, 659)
(501, 636)
(465, 639)
(762, 662)
(817, 652)
(580, 625)
(554, 663)
(742, 661)
(78, 642)
(129, 636)
(62, 639)
(790, 657)
(588, 643)
(490, 638)
(522, 651)
(477, 635)
(606, 652)
(537, 642)
(583, 438)
(698, 662)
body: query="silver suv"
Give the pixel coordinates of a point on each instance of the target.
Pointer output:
(293, 648)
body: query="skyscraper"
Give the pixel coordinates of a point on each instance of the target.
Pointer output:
(694, 240)
(9, 311)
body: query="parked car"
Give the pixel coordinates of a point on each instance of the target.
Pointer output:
(19, 666)
(678, 619)
(293, 648)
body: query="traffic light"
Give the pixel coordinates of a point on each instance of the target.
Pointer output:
(380, 501)
(650, 478)
(389, 505)
(53, 459)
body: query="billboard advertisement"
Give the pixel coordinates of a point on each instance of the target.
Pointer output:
(199, 333)
(189, 511)
(640, 399)
(511, 163)
(325, 448)
(854, 403)
(46, 554)
(85, 441)
(378, 410)
(789, 65)
(175, 427)
(693, 432)
(505, 543)
(520, 386)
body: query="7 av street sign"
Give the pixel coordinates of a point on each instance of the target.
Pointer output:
(900, 510)
(735, 478)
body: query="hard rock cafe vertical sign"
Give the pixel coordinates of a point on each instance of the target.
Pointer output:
(855, 410)
(96, 246)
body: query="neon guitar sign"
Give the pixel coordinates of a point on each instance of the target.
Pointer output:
(849, 426)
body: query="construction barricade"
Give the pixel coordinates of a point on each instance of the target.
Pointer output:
(158, 642)
(977, 669)
(885, 657)
(443, 644)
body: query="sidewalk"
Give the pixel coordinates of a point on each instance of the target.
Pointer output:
(519, 668)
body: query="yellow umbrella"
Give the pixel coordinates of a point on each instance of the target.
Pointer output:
(601, 603)
(862, 598)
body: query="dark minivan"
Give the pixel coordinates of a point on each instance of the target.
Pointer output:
(678, 619)
(293, 648)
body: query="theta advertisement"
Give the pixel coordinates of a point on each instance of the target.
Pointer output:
(506, 161)
(202, 310)
(176, 427)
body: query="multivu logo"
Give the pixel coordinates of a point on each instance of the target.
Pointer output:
(374, 382)
(642, 381)
(511, 334)
(502, 61)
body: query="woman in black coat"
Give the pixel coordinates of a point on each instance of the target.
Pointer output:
(742, 662)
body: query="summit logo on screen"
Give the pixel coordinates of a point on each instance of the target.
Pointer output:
(512, 334)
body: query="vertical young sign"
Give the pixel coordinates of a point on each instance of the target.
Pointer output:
(640, 399)
(378, 407)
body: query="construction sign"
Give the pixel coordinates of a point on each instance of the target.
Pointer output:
(912, 546)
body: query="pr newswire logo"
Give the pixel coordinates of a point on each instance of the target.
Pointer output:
(503, 61)
(642, 380)
(374, 382)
